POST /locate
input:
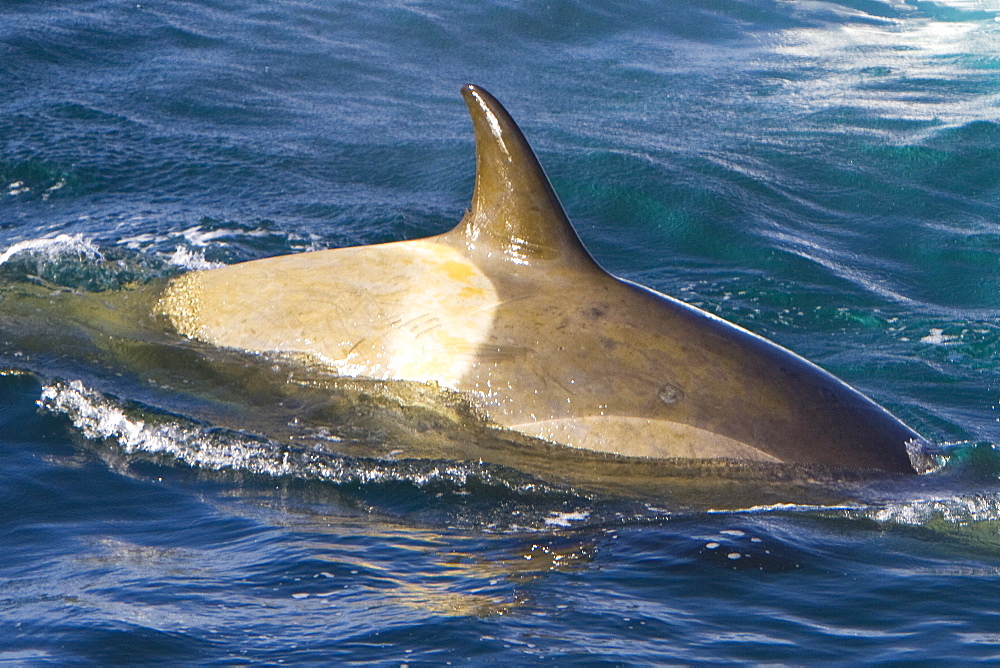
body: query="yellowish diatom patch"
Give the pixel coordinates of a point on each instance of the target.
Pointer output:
(413, 310)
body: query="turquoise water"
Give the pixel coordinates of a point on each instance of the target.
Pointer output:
(826, 174)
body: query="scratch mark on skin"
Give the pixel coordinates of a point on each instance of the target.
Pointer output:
(423, 324)
(566, 389)
(355, 346)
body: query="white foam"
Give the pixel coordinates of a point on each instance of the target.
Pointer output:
(557, 519)
(139, 241)
(192, 261)
(101, 417)
(779, 507)
(196, 236)
(938, 337)
(17, 188)
(924, 457)
(982, 507)
(54, 247)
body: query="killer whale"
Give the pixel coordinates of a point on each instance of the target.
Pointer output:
(510, 309)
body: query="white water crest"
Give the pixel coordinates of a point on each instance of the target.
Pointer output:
(101, 417)
(959, 510)
(53, 248)
(191, 260)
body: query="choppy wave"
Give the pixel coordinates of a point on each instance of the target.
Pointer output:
(959, 510)
(142, 432)
(76, 261)
(82, 261)
(101, 417)
(212, 243)
(54, 248)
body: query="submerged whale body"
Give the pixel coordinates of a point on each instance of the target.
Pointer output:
(510, 309)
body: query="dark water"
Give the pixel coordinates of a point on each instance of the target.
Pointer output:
(824, 173)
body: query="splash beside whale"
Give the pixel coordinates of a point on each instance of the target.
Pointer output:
(511, 310)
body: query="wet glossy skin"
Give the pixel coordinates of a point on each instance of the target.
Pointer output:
(510, 308)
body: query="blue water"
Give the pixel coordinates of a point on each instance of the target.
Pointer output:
(825, 173)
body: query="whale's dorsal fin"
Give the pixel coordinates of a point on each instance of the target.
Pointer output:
(514, 209)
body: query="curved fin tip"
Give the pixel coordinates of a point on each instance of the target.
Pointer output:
(514, 207)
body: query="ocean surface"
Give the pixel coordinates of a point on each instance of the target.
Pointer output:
(825, 173)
